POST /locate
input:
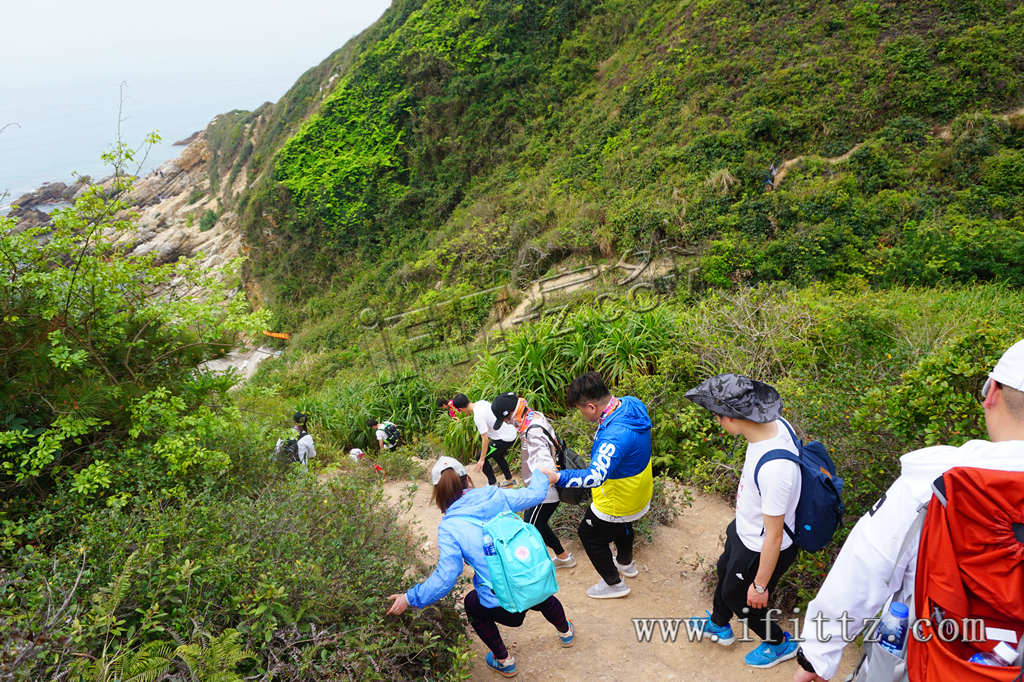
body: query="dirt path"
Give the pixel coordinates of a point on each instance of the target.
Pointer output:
(668, 586)
(942, 132)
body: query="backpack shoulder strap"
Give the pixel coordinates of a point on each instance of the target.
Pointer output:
(548, 435)
(773, 455)
(768, 457)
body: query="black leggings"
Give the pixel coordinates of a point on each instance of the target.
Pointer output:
(484, 620)
(497, 450)
(737, 568)
(539, 517)
(595, 534)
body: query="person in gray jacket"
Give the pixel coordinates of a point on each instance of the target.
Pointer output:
(537, 440)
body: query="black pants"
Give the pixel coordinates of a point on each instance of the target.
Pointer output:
(737, 568)
(595, 534)
(484, 620)
(539, 516)
(497, 451)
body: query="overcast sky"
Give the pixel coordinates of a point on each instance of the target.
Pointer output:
(56, 41)
(182, 63)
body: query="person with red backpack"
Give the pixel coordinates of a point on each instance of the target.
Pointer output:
(967, 563)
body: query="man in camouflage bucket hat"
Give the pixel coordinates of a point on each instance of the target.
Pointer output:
(757, 551)
(739, 397)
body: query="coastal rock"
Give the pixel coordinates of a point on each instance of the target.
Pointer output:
(188, 140)
(30, 217)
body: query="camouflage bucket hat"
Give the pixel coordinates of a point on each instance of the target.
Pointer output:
(737, 396)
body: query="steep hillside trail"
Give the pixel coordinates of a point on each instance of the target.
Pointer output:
(942, 132)
(670, 585)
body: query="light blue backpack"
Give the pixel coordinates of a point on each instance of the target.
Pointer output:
(522, 573)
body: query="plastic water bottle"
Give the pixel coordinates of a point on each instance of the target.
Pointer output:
(892, 631)
(489, 546)
(1003, 655)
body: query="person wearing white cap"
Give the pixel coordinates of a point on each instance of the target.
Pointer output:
(460, 539)
(871, 566)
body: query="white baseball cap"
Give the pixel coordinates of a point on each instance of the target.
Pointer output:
(1009, 371)
(443, 463)
(356, 454)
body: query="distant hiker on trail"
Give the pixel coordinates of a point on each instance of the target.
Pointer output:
(469, 519)
(619, 473)
(769, 179)
(387, 434)
(757, 548)
(447, 405)
(887, 555)
(537, 440)
(496, 439)
(299, 449)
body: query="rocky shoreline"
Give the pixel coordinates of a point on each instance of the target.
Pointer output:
(177, 214)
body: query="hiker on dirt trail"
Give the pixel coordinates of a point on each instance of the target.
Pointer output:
(537, 440)
(758, 550)
(447, 404)
(460, 538)
(880, 558)
(620, 475)
(305, 450)
(387, 434)
(496, 439)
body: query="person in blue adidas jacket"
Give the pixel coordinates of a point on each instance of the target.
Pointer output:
(620, 475)
(460, 540)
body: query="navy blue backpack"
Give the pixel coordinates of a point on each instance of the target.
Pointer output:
(819, 513)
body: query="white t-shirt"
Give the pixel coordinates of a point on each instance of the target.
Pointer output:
(484, 420)
(780, 490)
(382, 436)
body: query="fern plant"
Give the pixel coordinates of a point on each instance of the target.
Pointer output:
(215, 661)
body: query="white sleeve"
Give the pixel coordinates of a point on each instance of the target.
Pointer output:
(306, 448)
(480, 420)
(858, 583)
(778, 480)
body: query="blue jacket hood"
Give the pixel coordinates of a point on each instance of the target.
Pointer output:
(631, 415)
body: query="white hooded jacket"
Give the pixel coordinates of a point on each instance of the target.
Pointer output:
(537, 451)
(865, 573)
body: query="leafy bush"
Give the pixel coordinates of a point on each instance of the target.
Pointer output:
(277, 569)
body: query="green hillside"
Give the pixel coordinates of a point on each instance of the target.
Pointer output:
(590, 127)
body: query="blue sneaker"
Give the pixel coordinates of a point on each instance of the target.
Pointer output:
(767, 655)
(698, 628)
(508, 668)
(568, 638)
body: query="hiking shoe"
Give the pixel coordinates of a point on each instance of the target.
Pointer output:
(767, 655)
(602, 590)
(567, 638)
(628, 570)
(705, 627)
(507, 484)
(567, 562)
(508, 668)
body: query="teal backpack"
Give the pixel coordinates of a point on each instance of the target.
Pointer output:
(522, 573)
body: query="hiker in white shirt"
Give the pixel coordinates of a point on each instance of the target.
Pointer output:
(305, 441)
(495, 439)
(758, 550)
(865, 573)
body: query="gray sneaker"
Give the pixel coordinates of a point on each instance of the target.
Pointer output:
(629, 570)
(602, 590)
(568, 562)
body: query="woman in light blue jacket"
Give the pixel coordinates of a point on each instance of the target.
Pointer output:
(460, 540)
